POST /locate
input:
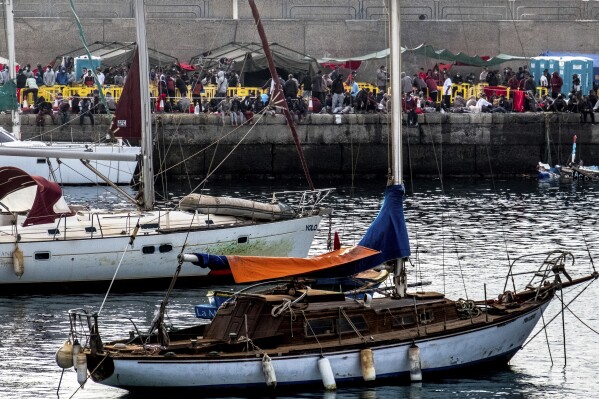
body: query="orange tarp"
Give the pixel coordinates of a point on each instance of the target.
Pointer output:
(246, 269)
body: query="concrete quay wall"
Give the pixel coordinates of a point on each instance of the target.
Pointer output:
(447, 144)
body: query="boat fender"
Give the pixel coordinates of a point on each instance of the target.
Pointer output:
(367, 364)
(415, 368)
(326, 373)
(76, 350)
(17, 262)
(81, 368)
(269, 371)
(64, 355)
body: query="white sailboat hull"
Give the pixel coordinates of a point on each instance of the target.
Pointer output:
(72, 171)
(86, 256)
(495, 343)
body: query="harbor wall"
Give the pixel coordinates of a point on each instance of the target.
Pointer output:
(320, 28)
(353, 146)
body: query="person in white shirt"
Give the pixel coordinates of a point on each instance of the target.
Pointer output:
(482, 102)
(446, 90)
(483, 75)
(100, 76)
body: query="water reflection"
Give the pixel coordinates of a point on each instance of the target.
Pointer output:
(477, 219)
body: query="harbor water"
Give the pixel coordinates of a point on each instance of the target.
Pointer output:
(464, 234)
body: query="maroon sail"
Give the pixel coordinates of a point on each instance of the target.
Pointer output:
(126, 122)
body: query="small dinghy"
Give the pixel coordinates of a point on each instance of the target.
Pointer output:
(238, 207)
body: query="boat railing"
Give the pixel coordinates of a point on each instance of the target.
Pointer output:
(553, 265)
(84, 328)
(308, 201)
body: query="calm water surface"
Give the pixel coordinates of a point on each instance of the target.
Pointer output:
(459, 239)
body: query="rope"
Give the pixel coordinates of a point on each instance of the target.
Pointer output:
(351, 324)
(129, 244)
(313, 333)
(287, 304)
(563, 308)
(89, 54)
(88, 375)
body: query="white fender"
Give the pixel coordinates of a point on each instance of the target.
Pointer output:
(76, 350)
(269, 371)
(81, 368)
(326, 373)
(18, 263)
(367, 364)
(414, 358)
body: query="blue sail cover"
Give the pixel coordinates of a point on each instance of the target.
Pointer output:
(388, 233)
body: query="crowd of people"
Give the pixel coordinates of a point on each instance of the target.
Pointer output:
(510, 91)
(333, 93)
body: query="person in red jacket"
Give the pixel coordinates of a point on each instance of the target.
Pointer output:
(556, 84)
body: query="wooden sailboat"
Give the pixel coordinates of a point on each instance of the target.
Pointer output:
(63, 170)
(294, 335)
(44, 242)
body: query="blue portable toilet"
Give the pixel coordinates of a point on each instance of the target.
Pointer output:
(566, 67)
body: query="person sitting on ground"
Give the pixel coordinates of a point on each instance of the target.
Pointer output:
(559, 105)
(224, 108)
(586, 108)
(43, 108)
(63, 112)
(86, 104)
(236, 114)
(483, 105)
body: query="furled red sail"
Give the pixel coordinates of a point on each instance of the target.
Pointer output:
(126, 122)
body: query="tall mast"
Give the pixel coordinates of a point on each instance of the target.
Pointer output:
(395, 47)
(146, 129)
(399, 272)
(277, 98)
(10, 42)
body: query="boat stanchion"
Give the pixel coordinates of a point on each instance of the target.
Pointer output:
(415, 367)
(81, 368)
(367, 364)
(64, 355)
(269, 371)
(326, 373)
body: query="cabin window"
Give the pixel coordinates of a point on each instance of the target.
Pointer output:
(319, 327)
(53, 232)
(426, 317)
(150, 226)
(358, 322)
(165, 248)
(209, 221)
(90, 229)
(242, 240)
(41, 256)
(404, 320)
(41, 160)
(149, 249)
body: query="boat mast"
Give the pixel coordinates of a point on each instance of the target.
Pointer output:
(146, 127)
(396, 178)
(12, 73)
(277, 98)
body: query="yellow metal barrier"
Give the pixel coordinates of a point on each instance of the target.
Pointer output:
(542, 91)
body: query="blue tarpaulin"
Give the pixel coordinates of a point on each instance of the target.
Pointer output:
(386, 239)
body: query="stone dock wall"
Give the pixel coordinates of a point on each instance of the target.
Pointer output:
(447, 144)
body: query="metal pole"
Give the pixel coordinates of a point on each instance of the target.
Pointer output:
(235, 9)
(146, 132)
(12, 73)
(277, 98)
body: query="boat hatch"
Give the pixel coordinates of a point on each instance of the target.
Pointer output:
(91, 229)
(41, 160)
(53, 232)
(242, 240)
